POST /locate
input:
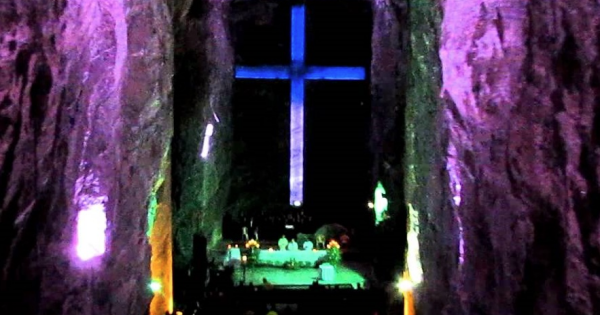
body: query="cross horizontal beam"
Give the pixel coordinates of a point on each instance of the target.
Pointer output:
(309, 73)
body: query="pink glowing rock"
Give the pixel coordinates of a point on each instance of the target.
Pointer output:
(91, 232)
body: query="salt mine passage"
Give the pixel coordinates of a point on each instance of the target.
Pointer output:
(297, 157)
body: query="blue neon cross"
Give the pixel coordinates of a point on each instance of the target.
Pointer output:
(297, 72)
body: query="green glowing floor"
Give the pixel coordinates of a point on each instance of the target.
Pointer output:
(285, 277)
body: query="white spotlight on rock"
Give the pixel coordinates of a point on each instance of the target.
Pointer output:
(206, 145)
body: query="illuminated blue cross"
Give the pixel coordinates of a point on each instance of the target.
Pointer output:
(297, 72)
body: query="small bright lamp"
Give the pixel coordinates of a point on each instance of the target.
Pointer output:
(404, 285)
(206, 144)
(155, 286)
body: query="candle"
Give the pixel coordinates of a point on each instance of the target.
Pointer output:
(409, 303)
(407, 293)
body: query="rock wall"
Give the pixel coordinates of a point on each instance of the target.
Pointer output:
(424, 161)
(84, 118)
(203, 84)
(389, 47)
(389, 58)
(519, 195)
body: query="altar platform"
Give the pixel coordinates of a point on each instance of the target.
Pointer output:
(349, 274)
(277, 258)
(283, 278)
(280, 257)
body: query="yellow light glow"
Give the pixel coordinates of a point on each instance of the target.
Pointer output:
(161, 262)
(332, 244)
(271, 249)
(413, 272)
(252, 243)
(155, 286)
(244, 258)
(404, 285)
(413, 259)
(371, 205)
(409, 303)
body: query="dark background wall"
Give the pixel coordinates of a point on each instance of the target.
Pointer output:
(337, 157)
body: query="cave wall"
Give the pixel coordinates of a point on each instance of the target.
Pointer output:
(514, 226)
(203, 84)
(389, 49)
(84, 117)
(423, 163)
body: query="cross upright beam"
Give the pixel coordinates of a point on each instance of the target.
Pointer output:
(297, 72)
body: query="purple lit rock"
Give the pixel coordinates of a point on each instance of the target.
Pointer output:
(521, 89)
(85, 121)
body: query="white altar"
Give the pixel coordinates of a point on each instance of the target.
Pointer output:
(234, 255)
(280, 257)
(326, 272)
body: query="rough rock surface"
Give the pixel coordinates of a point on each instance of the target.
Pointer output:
(521, 200)
(203, 83)
(389, 48)
(84, 99)
(389, 54)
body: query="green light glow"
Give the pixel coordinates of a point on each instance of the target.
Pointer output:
(153, 199)
(380, 204)
(152, 211)
(155, 286)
